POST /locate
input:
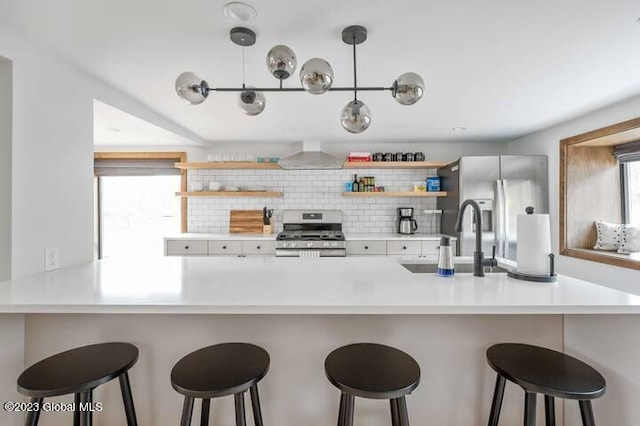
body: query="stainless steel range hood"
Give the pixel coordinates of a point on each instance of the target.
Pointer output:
(310, 158)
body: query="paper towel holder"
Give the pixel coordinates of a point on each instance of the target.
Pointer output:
(552, 277)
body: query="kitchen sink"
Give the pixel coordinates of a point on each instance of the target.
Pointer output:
(432, 268)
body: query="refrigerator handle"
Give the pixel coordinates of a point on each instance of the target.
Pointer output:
(505, 216)
(499, 218)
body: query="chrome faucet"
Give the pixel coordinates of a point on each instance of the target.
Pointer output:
(478, 256)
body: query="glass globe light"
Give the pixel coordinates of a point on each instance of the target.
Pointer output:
(408, 88)
(316, 76)
(251, 102)
(281, 61)
(355, 117)
(192, 88)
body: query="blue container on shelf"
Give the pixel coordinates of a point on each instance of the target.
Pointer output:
(433, 184)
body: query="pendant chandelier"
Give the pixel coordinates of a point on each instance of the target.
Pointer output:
(316, 77)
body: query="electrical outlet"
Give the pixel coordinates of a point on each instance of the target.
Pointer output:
(51, 259)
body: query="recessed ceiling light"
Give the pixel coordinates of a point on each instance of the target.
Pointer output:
(239, 12)
(459, 129)
(114, 129)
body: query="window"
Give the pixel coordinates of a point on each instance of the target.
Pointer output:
(628, 155)
(599, 181)
(136, 204)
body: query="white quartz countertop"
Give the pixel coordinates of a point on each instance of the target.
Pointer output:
(352, 237)
(270, 285)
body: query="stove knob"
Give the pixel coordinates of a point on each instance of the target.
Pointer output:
(285, 244)
(292, 244)
(309, 244)
(326, 244)
(334, 244)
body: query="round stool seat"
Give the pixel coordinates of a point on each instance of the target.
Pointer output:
(371, 370)
(77, 370)
(220, 370)
(546, 371)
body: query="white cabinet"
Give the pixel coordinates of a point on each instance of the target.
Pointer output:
(432, 248)
(364, 247)
(258, 247)
(186, 248)
(395, 247)
(222, 247)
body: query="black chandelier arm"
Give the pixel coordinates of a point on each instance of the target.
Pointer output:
(295, 89)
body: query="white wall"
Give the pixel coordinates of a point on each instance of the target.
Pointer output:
(52, 158)
(547, 142)
(5, 168)
(12, 356)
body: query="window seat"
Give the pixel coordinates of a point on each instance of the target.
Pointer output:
(632, 256)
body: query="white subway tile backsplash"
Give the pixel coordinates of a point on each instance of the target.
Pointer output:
(313, 189)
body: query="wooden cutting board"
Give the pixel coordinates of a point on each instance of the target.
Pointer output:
(245, 222)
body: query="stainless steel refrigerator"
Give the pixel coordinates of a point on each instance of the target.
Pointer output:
(503, 186)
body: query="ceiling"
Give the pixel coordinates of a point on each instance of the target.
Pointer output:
(500, 68)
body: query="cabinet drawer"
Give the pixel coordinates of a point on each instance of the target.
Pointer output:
(258, 247)
(217, 248)
(432, 248)
(404, 247)
(186, 248)
(366, 247)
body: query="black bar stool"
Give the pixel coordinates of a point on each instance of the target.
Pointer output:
(79, 371)
(541, 370)
(221, 370)
(370, 370)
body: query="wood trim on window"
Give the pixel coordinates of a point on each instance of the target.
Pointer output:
(180, 157)
(609, 136)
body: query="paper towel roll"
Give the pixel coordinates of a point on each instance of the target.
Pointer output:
(534, 243)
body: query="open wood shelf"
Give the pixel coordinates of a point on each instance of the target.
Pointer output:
(230, 194)
(244, 165)
(395, 194)
(393, 164)
(228, 165)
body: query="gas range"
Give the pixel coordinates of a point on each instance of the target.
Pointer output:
(316, 233)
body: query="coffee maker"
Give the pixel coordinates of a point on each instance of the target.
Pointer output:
(406, 223)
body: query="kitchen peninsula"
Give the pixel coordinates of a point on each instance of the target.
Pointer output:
(301, 309)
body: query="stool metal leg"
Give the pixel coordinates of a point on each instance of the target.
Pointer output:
(586, 412)
(343, 402)
(204, 414)
(86, 401)
(530, 409)
(549, 411)
(349, 409)
(395, 415)
(76, 411)
(187, 411)
(34, 416)
(127, 398)
(240, 416)
(496, 404)
(402, 410)
(255, 405)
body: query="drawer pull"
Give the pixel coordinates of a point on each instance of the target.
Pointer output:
(224, 247)
(186, 247)
(366, 247)
(257, 247)
(404, 247)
